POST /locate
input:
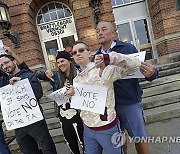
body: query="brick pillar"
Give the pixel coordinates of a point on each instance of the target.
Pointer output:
(23, 19)
(166, 25)
(84, 20)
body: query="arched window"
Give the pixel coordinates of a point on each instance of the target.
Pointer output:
(123, 2)
(53, 11)
(57, 31)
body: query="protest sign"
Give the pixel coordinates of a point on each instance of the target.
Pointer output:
(59, 97)
(137, 74)
(19, 105)
(89, 98)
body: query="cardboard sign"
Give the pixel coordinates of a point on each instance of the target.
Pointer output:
(59, 97)
(19, 105)
(137, 74)
(89, 98)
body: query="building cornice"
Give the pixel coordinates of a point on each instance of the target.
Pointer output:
(172, 36)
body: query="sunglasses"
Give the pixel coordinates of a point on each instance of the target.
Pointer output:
(81, 50)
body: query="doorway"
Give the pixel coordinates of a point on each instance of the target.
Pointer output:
(53, 46)
(134, 25)
(57, 31)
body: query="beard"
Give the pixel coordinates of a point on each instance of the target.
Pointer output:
(10, 69)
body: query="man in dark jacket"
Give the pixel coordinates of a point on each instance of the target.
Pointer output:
(128, 93)
(38, 130)
(4, 78)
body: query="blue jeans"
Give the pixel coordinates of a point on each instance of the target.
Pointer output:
(97, 141)
(40, 133)
(3, 147)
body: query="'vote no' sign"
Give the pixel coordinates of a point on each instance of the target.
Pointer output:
(89, 98)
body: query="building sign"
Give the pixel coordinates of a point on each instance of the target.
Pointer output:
(56, 28)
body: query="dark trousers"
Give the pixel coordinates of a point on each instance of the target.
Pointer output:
(73, 133)
(3, 147)
(39, 133)
(31, 146)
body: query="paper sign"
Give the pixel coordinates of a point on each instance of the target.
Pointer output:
(59, 97)
(19, 105)
(89, 98)
(1, 48)
(137, 74)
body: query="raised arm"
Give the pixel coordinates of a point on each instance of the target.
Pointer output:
(117, 65)
(20, 62)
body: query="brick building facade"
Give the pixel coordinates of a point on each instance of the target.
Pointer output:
(164, 17)
(165, 20)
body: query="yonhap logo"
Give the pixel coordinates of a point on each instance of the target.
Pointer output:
(118, 139)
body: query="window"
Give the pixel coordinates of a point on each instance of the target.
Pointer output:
(53, 11)
(122, 2)
(142, 31)
(124, 32)
(178, 4)
(68, 41)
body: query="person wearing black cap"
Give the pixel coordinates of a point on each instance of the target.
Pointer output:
(72, 125)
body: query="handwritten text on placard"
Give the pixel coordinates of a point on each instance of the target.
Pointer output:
(89, 98)
(19, 105)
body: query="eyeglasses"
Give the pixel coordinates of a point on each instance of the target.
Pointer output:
(81, 50)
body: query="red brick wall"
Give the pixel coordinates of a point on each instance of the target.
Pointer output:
(24, 22)
(23, 18)
(165, 20)
(84, 20)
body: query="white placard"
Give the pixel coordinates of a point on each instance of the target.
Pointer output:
(1, 48)
(89, 98)
(137, 74)
(19, 105)
(59, 97)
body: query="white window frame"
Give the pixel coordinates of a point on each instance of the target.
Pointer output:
(134, 34)
(120, 5)
(59, 39)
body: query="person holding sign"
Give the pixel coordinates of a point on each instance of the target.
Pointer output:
(37, 130)
(20, 62)
(128, 93)
(101, 131)
(22, 65)
(72, 125)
